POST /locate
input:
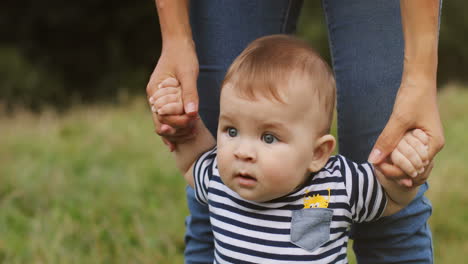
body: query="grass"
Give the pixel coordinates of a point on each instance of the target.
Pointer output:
(91, 186)
(95, 185)
(448, 180)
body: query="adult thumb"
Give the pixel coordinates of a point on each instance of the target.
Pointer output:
(190, 95)
(388, 140)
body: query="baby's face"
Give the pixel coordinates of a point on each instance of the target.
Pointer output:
(265, 147)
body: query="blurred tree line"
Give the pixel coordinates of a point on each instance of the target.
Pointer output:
(56, 52)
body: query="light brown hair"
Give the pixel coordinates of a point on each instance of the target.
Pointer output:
(267, 64)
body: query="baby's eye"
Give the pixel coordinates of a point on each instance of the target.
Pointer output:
(232, 132)
(269, 138)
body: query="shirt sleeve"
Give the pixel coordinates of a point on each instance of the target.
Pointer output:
(367, 198)
(202, 172)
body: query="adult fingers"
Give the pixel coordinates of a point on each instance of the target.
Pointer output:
(406, 182)
(436, 143)
(189, 94)
(176, 121)
(180, 136)
(165, 130)
(390, 171)
(394, 173)
(151, 87)
(174, 135)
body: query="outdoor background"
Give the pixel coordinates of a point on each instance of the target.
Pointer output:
(83, 178)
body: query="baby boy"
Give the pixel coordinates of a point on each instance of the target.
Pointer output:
(275, 193)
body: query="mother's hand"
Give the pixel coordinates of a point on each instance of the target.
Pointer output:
(178, 60)
(415, 107)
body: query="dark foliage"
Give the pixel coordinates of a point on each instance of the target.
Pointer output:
(54, 52)
(453, 54)
(81, 50)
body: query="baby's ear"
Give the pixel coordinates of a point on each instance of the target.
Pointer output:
(324, 146)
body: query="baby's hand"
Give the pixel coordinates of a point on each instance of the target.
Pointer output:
(167, 100)
(411, 155)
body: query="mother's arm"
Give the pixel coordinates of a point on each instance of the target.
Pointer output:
(178, 60)
(416, 101)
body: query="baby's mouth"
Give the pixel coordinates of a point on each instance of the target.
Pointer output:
(246, 179)
(246, 176)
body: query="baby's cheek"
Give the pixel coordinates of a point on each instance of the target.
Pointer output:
(291, 171)
(223, 160)
(278, 173)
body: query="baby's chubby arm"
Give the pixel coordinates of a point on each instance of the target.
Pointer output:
(411, 156)
(167, 100)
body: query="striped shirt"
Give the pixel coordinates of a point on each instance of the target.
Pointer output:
(309, 225)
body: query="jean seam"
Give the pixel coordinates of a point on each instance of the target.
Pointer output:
(286, 17)
(333, 59)
(332, 55)
(440, 16)
(432, 243)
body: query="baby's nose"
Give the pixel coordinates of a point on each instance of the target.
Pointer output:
(246, 152)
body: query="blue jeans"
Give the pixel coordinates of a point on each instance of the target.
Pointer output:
(366, 43)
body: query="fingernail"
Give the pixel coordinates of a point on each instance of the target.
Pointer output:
(409, 184)
(190, 108)
(374, 156)
(160, 112)
(421, 170)
(151, 100)
(159, 86)
(164, 128)
(414, 174)
(406, 182)
(153, 109)
(426, 163)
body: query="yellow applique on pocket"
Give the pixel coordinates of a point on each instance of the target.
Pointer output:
(316, 201)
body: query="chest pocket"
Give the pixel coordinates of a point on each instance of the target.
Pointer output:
(310, 228)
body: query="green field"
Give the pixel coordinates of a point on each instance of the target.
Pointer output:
(95, 185)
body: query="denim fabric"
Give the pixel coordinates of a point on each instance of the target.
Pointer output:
(404, 237)
(366, 43)
(310, 228)
(367, 46)
(199, 247)
(221, 30)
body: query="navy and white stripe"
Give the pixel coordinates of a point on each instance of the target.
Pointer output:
(250, 232)
(203, 166)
